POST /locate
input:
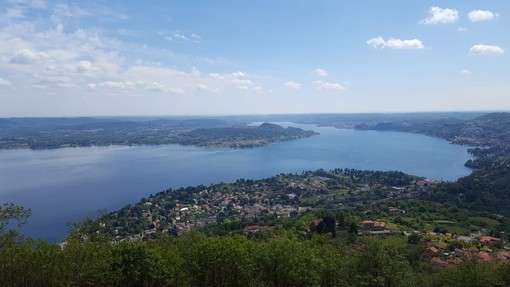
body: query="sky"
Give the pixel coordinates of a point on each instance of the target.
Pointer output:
(228, 57)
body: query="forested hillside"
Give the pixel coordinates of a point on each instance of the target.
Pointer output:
(46, 133)
(285, 256)
(488, 187)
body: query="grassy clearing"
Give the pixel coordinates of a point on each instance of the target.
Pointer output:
(311, 199)
(484, 222)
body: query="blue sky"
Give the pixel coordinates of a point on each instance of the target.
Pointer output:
(87, 58)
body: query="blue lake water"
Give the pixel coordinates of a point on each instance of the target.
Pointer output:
(66, 185)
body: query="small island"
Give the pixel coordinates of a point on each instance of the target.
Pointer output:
(48, 133)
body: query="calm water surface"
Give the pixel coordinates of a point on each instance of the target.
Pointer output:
(65, 185)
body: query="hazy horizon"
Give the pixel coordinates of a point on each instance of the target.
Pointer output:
(260, 114)
(173, 58)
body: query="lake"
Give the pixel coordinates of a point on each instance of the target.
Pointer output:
(68, 184)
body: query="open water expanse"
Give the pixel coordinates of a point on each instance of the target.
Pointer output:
(68, 184)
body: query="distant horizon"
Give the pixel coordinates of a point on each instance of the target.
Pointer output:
(260, 115)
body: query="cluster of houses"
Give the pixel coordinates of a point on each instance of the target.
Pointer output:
(206, 209)
(482, 248)
(247, 202)
(371, 227)
(250, 202)
(437, 250)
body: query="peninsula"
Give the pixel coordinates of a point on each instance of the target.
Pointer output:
(48, 133)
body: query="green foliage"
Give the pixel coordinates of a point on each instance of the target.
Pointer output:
(28, 263)
(378, 265)
(139, 264)
(474, 274)
(220, 261)
(40, 133)
(414, 238)
(10, 212)
(285, 262)
(85, 262)
(196, 259)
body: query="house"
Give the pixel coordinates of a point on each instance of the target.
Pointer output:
(382, 232)
(488, 240)
(438, 263)
(371, 225)
(465, 239)
(256, 228)
(484, 256)
(458, 252)
(504, 256)
(393, 210)
(431, 250)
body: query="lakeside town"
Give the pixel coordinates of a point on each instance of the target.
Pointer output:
(367, 201)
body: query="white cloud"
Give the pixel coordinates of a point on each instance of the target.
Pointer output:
(68, 11)
(321, 85)
(140, 86)
(230, 76)
(441, 16)
(377, 42)
(14, 13)
(392, 43)
(179, 36)
(293, 85)
(214, 61)
(206, 88)
(242, 84)
(465, 72)
(404, 44)
(83, 66)
(24, 56)
(481, 15)
(4, 82)
(155, 86)
(238, 80)
(321, 72)
(485, 49)
(66, 85)
(38, 4)
(113, 85)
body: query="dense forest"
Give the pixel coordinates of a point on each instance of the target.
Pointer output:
(280, 257)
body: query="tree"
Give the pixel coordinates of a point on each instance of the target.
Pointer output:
(353, 228)
(10, 212)
(220, 261)
(472, 273)
(377, 265)
(137, 264)
(86, 262)
(327, 224)
(285, 262)
(414, 238)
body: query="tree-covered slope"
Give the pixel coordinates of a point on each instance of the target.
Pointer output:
(488, 187)
(44, 133)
